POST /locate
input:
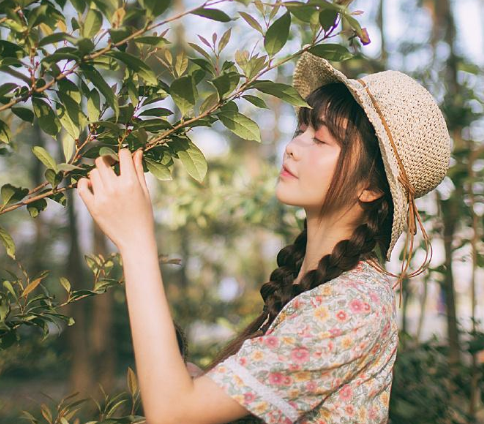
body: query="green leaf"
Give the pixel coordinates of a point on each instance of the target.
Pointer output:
(240, 125)
(334, 52)
(302, 11)
(157, 111)
(152, 41)
(85, 45)
(136, 65)
(5, 134)
(226, 83)
(191, 157)
(95, 77)
(353, 23)
(54, 178)
(92, 23)
(68, 146)
(7, 241)
(132, 382)
(106, 151)
(251, 21)
(154, 8)
(23, 113)
(93, 105)
(46, 116)
(11, 194)
(184, 93)
(256, 101)
(66, 284)
(55, 38)
(327, 19)
(6, 87)
(68, 167)
(160, 171)
(45, 157)
(79, 5)
(37, 16)
(214, 14)
(36, 207)
(277, 34)
(282, 91)
(8, 285)
(224, 40)
(71, 89)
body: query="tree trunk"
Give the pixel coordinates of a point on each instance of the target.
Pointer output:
(101, 326)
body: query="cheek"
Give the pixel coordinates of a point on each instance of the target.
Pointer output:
(319, 171)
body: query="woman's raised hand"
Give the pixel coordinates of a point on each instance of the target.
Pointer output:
(120, 205)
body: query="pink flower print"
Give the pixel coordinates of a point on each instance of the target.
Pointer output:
(356, 305)
(374, 297)
(311, 386)
(373, 413)
(335, 331)
(287, 380)
(366, 307)
(341, 315)
(272, 342)
(249, 397)
(350, 410)
(300, 355)
(243, 361)
(386, 329)
(276, 378)
(294, 367)
(346, 393)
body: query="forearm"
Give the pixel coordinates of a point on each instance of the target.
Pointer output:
(163, 377)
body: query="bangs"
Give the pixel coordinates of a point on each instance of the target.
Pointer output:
(333, 106)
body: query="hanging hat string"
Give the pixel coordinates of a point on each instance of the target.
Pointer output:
(412, 214)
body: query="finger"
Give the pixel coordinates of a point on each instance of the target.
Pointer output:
(126, 166)
(85, 193)
(138, 161)
(96, 181)
(106, 173)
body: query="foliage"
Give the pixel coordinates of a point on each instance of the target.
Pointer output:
(70, 410)
(20, 306)
(63, 71)
(424, 390)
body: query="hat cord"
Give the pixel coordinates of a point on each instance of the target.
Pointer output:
(411, 215)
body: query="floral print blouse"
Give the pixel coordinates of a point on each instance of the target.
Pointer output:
(327, 358)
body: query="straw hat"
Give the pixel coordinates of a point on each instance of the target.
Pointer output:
(411, 130)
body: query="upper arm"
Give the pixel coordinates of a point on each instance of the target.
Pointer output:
(210, 404)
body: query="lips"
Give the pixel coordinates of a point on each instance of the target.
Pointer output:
(287, 171)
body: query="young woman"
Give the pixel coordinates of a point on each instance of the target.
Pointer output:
(323, 348)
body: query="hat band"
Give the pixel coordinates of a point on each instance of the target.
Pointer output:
(412, 207)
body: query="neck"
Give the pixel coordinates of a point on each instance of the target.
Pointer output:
(322, 236)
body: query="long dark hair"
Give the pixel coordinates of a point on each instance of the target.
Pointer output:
(350, 126)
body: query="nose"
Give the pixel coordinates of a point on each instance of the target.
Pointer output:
(291, 149)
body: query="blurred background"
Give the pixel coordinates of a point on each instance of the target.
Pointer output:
(227, 231)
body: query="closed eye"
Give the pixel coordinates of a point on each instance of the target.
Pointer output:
(316, 140)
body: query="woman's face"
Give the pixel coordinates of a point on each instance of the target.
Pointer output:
(311, 156)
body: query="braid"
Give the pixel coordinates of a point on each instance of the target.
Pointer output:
(345, 256)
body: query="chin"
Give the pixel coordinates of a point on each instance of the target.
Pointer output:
(284, 196)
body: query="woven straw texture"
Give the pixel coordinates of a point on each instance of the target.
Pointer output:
(413, 119)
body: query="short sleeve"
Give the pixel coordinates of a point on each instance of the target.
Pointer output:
(320, 341)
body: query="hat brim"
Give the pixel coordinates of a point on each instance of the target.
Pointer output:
(312, 72)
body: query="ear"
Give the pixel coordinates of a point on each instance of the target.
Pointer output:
(367, 195)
